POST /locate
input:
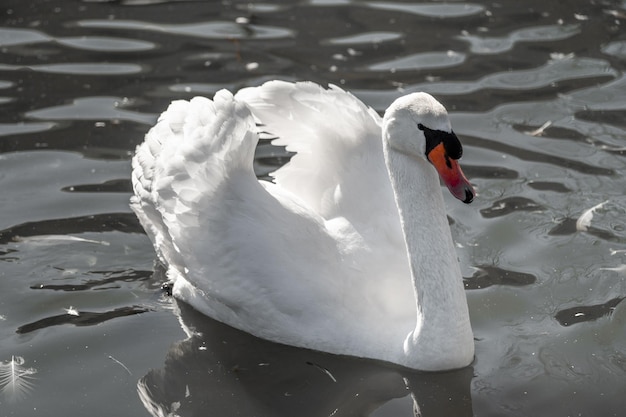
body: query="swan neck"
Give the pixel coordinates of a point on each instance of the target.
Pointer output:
(442, 338)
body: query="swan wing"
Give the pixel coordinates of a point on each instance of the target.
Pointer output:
(245, 252)
(338, 169)
(194, 147)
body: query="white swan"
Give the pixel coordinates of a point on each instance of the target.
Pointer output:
(348, 251)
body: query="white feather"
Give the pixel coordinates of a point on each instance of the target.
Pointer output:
(72, 311)
(584, 221)
(16, 380)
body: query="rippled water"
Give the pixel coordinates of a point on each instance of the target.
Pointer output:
(536, 91)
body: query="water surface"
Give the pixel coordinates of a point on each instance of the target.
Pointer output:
(536, 92)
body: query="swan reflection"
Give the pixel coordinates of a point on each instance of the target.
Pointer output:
(219, 370)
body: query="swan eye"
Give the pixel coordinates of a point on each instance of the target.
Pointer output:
(451, 143)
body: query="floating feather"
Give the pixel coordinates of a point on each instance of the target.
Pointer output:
(16, 380)
(539, 131)
(72, 311)
(584, 221)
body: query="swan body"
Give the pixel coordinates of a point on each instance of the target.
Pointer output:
(346, 251)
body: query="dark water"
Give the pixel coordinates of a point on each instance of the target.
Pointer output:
(81, 82)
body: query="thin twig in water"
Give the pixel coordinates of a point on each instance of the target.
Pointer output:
(120, 364)
(321, 368)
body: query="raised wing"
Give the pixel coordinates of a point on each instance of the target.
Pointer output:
(194, 147)
(338, 169)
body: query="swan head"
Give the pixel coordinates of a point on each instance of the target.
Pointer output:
(417, 125)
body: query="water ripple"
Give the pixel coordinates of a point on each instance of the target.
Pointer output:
(616, 49)
(488, 275)
(427, 60)
(510, 205)
(13, 37)
(430, 10)
(549, 74)
(106, 44)
(610, 96)
(83, 318)
(366, 38)
(579, 314)
(538, 157)
(106, 222)
(556, 77)
(91, 68)
(207, 30)
(92, 108)
(7, 129)
(16, 37)
(498, 45)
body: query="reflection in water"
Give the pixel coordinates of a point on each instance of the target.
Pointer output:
(219, 370)
(80, 318)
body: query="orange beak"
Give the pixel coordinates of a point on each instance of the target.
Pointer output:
(450, 172)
